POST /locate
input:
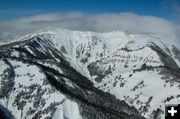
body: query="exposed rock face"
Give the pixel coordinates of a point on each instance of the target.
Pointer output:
(73, 75)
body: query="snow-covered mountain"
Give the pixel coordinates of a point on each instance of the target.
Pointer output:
(64, 74)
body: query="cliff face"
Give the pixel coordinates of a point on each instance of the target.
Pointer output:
(72, 75)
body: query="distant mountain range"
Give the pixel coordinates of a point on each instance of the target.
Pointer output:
(65, 74)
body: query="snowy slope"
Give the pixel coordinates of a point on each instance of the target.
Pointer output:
(141, 70)
(32, 93)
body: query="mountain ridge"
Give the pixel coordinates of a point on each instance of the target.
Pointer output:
(101, 68)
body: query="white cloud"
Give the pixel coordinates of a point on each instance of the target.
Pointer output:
(92, 22)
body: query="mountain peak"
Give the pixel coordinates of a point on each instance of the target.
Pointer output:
(88, 70)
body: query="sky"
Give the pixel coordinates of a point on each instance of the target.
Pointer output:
(11, 9)
(159, 17)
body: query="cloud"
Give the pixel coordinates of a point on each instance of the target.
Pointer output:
(92, 22)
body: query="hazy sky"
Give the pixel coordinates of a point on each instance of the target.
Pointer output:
(11, 9)
(160, 17)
